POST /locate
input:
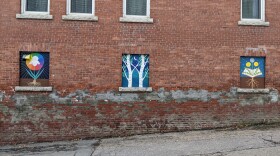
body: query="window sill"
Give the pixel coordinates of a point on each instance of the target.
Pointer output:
(253, 23)
(136, 20)
(34, 16)
(32, 89)
(253, 91)
(135, 89)
(80, 17)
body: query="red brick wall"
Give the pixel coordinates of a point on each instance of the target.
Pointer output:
(192, 44)
(49, 122)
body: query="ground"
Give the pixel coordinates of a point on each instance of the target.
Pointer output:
(253, 141)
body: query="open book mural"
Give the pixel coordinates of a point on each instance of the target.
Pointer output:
(252, 72)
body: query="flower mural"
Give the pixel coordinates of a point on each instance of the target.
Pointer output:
(254, 69)
(135, 70)
(33, 67)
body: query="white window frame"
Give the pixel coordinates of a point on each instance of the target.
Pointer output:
(24, 11)
(255, 22)
(137, 18)
(34, 14)
(79, 16)
(68, 9)
(262, 12)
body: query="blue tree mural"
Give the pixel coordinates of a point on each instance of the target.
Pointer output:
(135, 70)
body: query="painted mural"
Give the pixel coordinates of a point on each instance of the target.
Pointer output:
(34, 68)
(252, 72)
(135, 70)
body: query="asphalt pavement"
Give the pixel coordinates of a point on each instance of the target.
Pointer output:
(245, 142)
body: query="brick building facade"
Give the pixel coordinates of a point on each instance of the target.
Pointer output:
(194, 51)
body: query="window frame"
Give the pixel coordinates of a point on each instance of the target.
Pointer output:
(137, 16)
(262, 13)
(68, 9)
(24, 11)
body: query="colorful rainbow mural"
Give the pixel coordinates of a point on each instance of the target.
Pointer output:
(34, 65)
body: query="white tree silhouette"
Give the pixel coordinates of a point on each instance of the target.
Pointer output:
(127, 72)
(143, 73)
(127, 68)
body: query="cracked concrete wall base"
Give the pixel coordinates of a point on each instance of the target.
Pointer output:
(83, 96)
(50, 116)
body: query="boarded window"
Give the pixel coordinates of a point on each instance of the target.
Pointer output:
(251, 9)
(135, 70)
(37, 5)
(136, 7)
(252, 72)
(34, 69)
(81, 6)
